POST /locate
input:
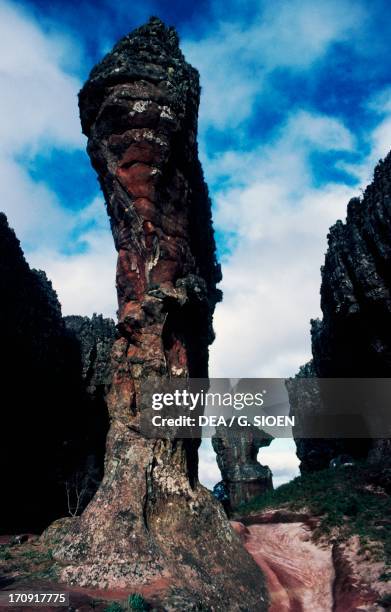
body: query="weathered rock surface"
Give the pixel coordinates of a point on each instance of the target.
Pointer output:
(353, 340)
(243, 476)
(52, 428)
(95, 337)
(151, 520)
(306, 403)
(354, 337)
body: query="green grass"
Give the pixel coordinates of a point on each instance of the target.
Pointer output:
(340, 497)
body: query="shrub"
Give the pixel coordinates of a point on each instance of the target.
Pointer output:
(137, 602)
(114, 607)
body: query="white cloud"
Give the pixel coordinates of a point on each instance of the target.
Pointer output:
(236, 59)
(297, 33)
(281, 458)
(85, 282)
(208, 471)
(38, 111)
(271, 280)
(33, 210)
(378, 140)
(38, 101)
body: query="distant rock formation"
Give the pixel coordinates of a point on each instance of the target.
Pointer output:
(151, 522)
(96, 337)
(353, 340)
(52, 428)
(306, 403)
(244, 478)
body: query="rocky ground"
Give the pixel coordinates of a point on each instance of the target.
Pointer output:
(304, 573)
(29, 566)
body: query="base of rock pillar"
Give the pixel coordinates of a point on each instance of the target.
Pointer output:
(168, 534)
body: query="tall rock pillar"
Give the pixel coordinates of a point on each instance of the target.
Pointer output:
(151, 522)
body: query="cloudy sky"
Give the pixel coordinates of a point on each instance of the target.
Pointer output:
(295, 112)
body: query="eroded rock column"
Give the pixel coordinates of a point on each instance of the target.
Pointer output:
(151, 522)
(244, 478)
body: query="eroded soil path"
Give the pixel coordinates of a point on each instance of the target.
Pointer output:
(299, 574)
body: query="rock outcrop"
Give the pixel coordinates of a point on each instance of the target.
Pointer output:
(354, 337)
(95, 337)
(244, 478)
(151, 522)
(306, 404)
(353, 340)
(52, 427)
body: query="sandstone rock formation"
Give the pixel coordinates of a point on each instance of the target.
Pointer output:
(354, 337)
(151, 522)
(306, 403)
(353, 340)
(52, 428)
(95, 337)
(243, 477)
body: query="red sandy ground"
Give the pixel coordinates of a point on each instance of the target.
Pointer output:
(299, 574)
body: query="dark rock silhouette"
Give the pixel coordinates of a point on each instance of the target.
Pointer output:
(95, 337)
(244, 478)
(354, 337)
(151, 522)
(52, 427)
(307, 404)
(353, 340)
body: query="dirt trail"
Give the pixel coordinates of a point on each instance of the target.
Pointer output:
(299, 574)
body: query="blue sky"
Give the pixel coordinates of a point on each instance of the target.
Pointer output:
(295, 112)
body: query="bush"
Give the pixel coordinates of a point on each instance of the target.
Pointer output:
(114, 607)
(137, 602)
